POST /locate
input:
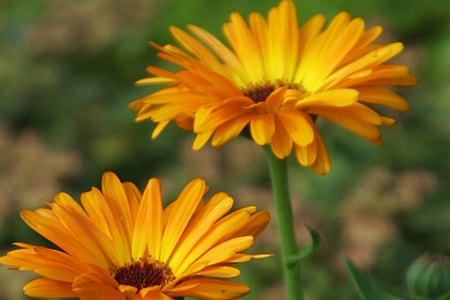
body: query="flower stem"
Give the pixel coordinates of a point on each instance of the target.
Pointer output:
(286, 229)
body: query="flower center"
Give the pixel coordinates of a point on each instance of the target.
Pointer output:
(259, 93)
(143, 273)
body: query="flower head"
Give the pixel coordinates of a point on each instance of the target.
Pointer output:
(275, 80)
(121, 244)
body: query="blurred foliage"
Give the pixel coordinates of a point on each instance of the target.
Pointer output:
(67, 72)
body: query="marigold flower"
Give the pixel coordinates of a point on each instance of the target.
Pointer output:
(276, 80)
(121, 244)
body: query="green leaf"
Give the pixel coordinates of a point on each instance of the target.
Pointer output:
(367, 288)
(308, 250)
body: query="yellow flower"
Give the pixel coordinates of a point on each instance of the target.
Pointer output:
(276, 80)
(121, 244)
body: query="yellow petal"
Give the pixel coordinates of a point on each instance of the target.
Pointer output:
(306, 155)
(388, 121)
(201, 138)
(226, 55)
(153, 293)
(281, 144)
(216, 208)
(46, 288)
(262, 128)
(208, 288)
(358, 118)
(113, 190)
(229, 130)
(100, 209)
(154, 80)
(211, 118)
(298, 125)
(219, 272)
(382, 96)
(335, 97)
(245, 47)
(97, 247)
(194, 46)
(52, 264)
(60, 235)
(255, 224)
(186, 205)
(309, 32)
(149, 216)
(275, 100)
(94, 287)
(224, 229)
(133, 195)
(220, 253)
(322, 163)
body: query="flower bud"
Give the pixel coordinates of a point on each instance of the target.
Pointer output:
(429, 275)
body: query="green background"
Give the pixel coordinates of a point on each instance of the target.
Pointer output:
(67, 73)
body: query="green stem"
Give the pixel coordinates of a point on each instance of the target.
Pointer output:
(280, 186)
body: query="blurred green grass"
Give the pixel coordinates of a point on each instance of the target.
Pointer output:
(67, 72)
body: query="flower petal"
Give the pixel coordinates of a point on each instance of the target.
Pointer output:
(47, 288)
(149, 216)
(298, 125)
(218, 206)
(382, 96)
(358, 118)
(92, 287)
(281, 144)
(306, 155)
(335, 98)
(186, 205)
(210, 288)
(262, 128)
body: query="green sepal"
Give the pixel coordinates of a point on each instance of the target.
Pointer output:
(308, 250)
(367, 289)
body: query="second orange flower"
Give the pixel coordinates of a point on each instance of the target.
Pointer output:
(122, 244)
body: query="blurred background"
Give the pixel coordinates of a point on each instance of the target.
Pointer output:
(67, 73)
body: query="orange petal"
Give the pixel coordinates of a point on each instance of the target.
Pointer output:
(335, 97)
(358, 118)
(185, 206)
(262, 128)
(209, 288)
(46, 288)
(117, 198)
(306, 155)
(205, 218)
(149, 216)
(281, 144)
(219, 272)
(298, 125)
(97, 284)
(229, 130)
(87, 290)
(382, 96)
(322, 162)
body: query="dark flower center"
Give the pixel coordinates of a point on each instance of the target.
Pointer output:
(259, 93)
(143, 273)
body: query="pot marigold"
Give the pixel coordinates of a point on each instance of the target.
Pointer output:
(121, 244)
(275, 80)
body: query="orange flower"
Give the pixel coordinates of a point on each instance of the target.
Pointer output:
(121, 244)
(276, 80)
